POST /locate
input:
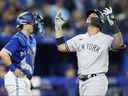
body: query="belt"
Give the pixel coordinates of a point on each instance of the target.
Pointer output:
(86, 77)
(22, 74)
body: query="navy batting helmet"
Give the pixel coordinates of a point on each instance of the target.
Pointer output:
(92, 11)
(25, 18)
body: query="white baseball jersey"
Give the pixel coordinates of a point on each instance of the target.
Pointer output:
(92, 52)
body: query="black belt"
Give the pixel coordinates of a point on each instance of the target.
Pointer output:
(86, 77)
(29, 76)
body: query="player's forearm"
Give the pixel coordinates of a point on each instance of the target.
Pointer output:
(60, 42)
(5, 58)
(112, 21)
(61, 46)
(118, 41)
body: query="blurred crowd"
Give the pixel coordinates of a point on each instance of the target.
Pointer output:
(9, 9)
(73, 11)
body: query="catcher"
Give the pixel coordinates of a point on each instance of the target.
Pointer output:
(18, 55)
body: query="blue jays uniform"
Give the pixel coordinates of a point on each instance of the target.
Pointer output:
(22, 51)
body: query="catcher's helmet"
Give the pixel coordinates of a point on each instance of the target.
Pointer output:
(25, 18)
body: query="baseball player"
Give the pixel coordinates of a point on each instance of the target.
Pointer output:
(18, 56)
(92, 51)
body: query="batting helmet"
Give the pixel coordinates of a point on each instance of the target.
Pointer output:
(96, 11)
(25, 18)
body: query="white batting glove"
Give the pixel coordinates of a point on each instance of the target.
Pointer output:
(101, 15)
(107, 11)
(38, 16)
(59, 21)
(109, 15)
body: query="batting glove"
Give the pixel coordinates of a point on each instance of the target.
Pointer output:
(108, 13)
(100, 15)
(39, 21)
(38, 16)
(59, 21)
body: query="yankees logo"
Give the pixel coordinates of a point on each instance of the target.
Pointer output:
(93, 47)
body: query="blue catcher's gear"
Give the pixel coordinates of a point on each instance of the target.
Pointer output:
(25, 18)
(22, 51)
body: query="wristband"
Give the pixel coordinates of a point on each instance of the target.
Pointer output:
(60, 40)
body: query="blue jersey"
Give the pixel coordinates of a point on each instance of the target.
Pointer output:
(22, 51)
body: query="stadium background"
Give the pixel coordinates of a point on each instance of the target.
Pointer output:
(55, 72)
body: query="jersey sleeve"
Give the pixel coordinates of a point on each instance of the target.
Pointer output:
(12, 46)
(71, 44)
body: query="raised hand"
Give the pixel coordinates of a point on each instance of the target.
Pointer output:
(108, 13)
(59, 21)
